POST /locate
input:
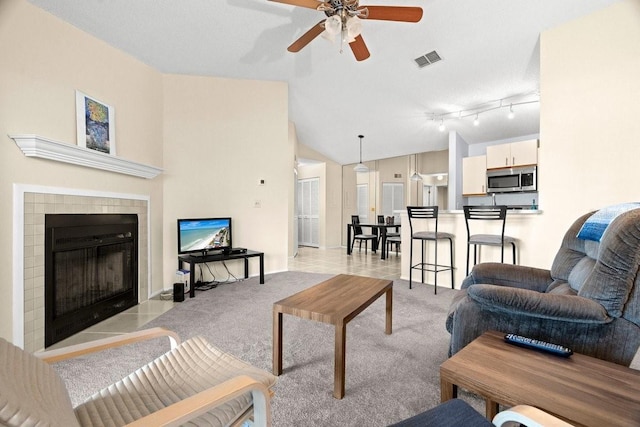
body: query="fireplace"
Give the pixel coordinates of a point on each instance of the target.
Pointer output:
(91, 270)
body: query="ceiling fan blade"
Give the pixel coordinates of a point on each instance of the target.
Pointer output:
(311, 4)
(395, 13)
(359, 49)
(306, 38)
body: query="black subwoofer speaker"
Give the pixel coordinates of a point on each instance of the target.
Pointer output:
(178, 292)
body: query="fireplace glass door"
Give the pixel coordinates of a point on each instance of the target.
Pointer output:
(91, 270)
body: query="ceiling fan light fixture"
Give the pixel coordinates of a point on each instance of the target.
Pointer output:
(333, 25)
(354, 27)
(343, 17)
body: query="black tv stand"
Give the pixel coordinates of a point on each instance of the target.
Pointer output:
(193, 259)
(203, 254)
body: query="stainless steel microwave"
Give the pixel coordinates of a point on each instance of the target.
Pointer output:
(512, 180)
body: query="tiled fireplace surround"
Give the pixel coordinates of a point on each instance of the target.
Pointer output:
(31, 203)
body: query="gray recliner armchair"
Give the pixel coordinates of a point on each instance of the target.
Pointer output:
(588, 301)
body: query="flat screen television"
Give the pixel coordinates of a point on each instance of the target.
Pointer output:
(202, 235)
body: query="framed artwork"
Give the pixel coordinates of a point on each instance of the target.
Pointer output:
(95, 124)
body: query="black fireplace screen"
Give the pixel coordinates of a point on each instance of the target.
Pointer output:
(91, 270)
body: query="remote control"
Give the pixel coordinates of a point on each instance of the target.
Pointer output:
(548, 347)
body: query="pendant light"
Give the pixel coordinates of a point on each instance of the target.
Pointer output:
(360, 167)
(416, 176)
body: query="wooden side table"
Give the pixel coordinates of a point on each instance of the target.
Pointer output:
(583, 390)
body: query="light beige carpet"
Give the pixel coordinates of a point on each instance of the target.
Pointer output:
(388, 377)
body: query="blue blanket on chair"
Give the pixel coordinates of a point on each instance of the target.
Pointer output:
(595, 226)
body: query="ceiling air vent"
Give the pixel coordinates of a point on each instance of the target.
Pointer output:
(427, 59)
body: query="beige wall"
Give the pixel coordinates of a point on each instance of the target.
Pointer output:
(215, 138)
(43, 62)
(433, 162)
(589, 127)
(221, 137)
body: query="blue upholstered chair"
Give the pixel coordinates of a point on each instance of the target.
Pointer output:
(458, 413)
(588, 301)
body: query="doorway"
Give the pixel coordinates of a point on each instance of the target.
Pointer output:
(308, 212)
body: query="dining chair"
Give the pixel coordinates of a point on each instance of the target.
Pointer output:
(428, 214)
(496, 213)
(393, 240)
(381, 220)
(359, 235)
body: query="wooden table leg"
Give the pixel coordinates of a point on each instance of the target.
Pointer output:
(340, 360)
(389, 309)
(448, 390)
(277, 343)
(491, 409)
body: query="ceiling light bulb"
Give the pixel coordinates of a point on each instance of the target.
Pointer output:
(511, 114)
(354, 28)
(476, 122)
(327, 36)
(441, 128)
(333, 25)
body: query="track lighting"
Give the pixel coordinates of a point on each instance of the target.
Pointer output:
(520, 99)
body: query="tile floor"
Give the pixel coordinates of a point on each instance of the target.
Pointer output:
(313, 260)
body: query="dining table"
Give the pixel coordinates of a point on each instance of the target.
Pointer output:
(380, 229)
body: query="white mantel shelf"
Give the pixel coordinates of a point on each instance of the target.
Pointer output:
(44, 148)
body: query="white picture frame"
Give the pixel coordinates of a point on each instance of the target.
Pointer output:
(95, 122)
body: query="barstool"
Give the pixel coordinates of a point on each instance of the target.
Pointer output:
(487, 213)
(428, 213)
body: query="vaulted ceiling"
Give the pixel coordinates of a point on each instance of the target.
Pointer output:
(489, 57)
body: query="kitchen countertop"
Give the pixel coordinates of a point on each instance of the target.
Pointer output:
(509, 211)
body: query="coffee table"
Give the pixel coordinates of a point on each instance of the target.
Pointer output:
(335, 301)
(583, 390)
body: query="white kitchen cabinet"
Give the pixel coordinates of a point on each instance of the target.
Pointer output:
(514, 154)
(474, 175)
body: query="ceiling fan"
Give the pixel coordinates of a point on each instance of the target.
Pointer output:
(343, 18)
